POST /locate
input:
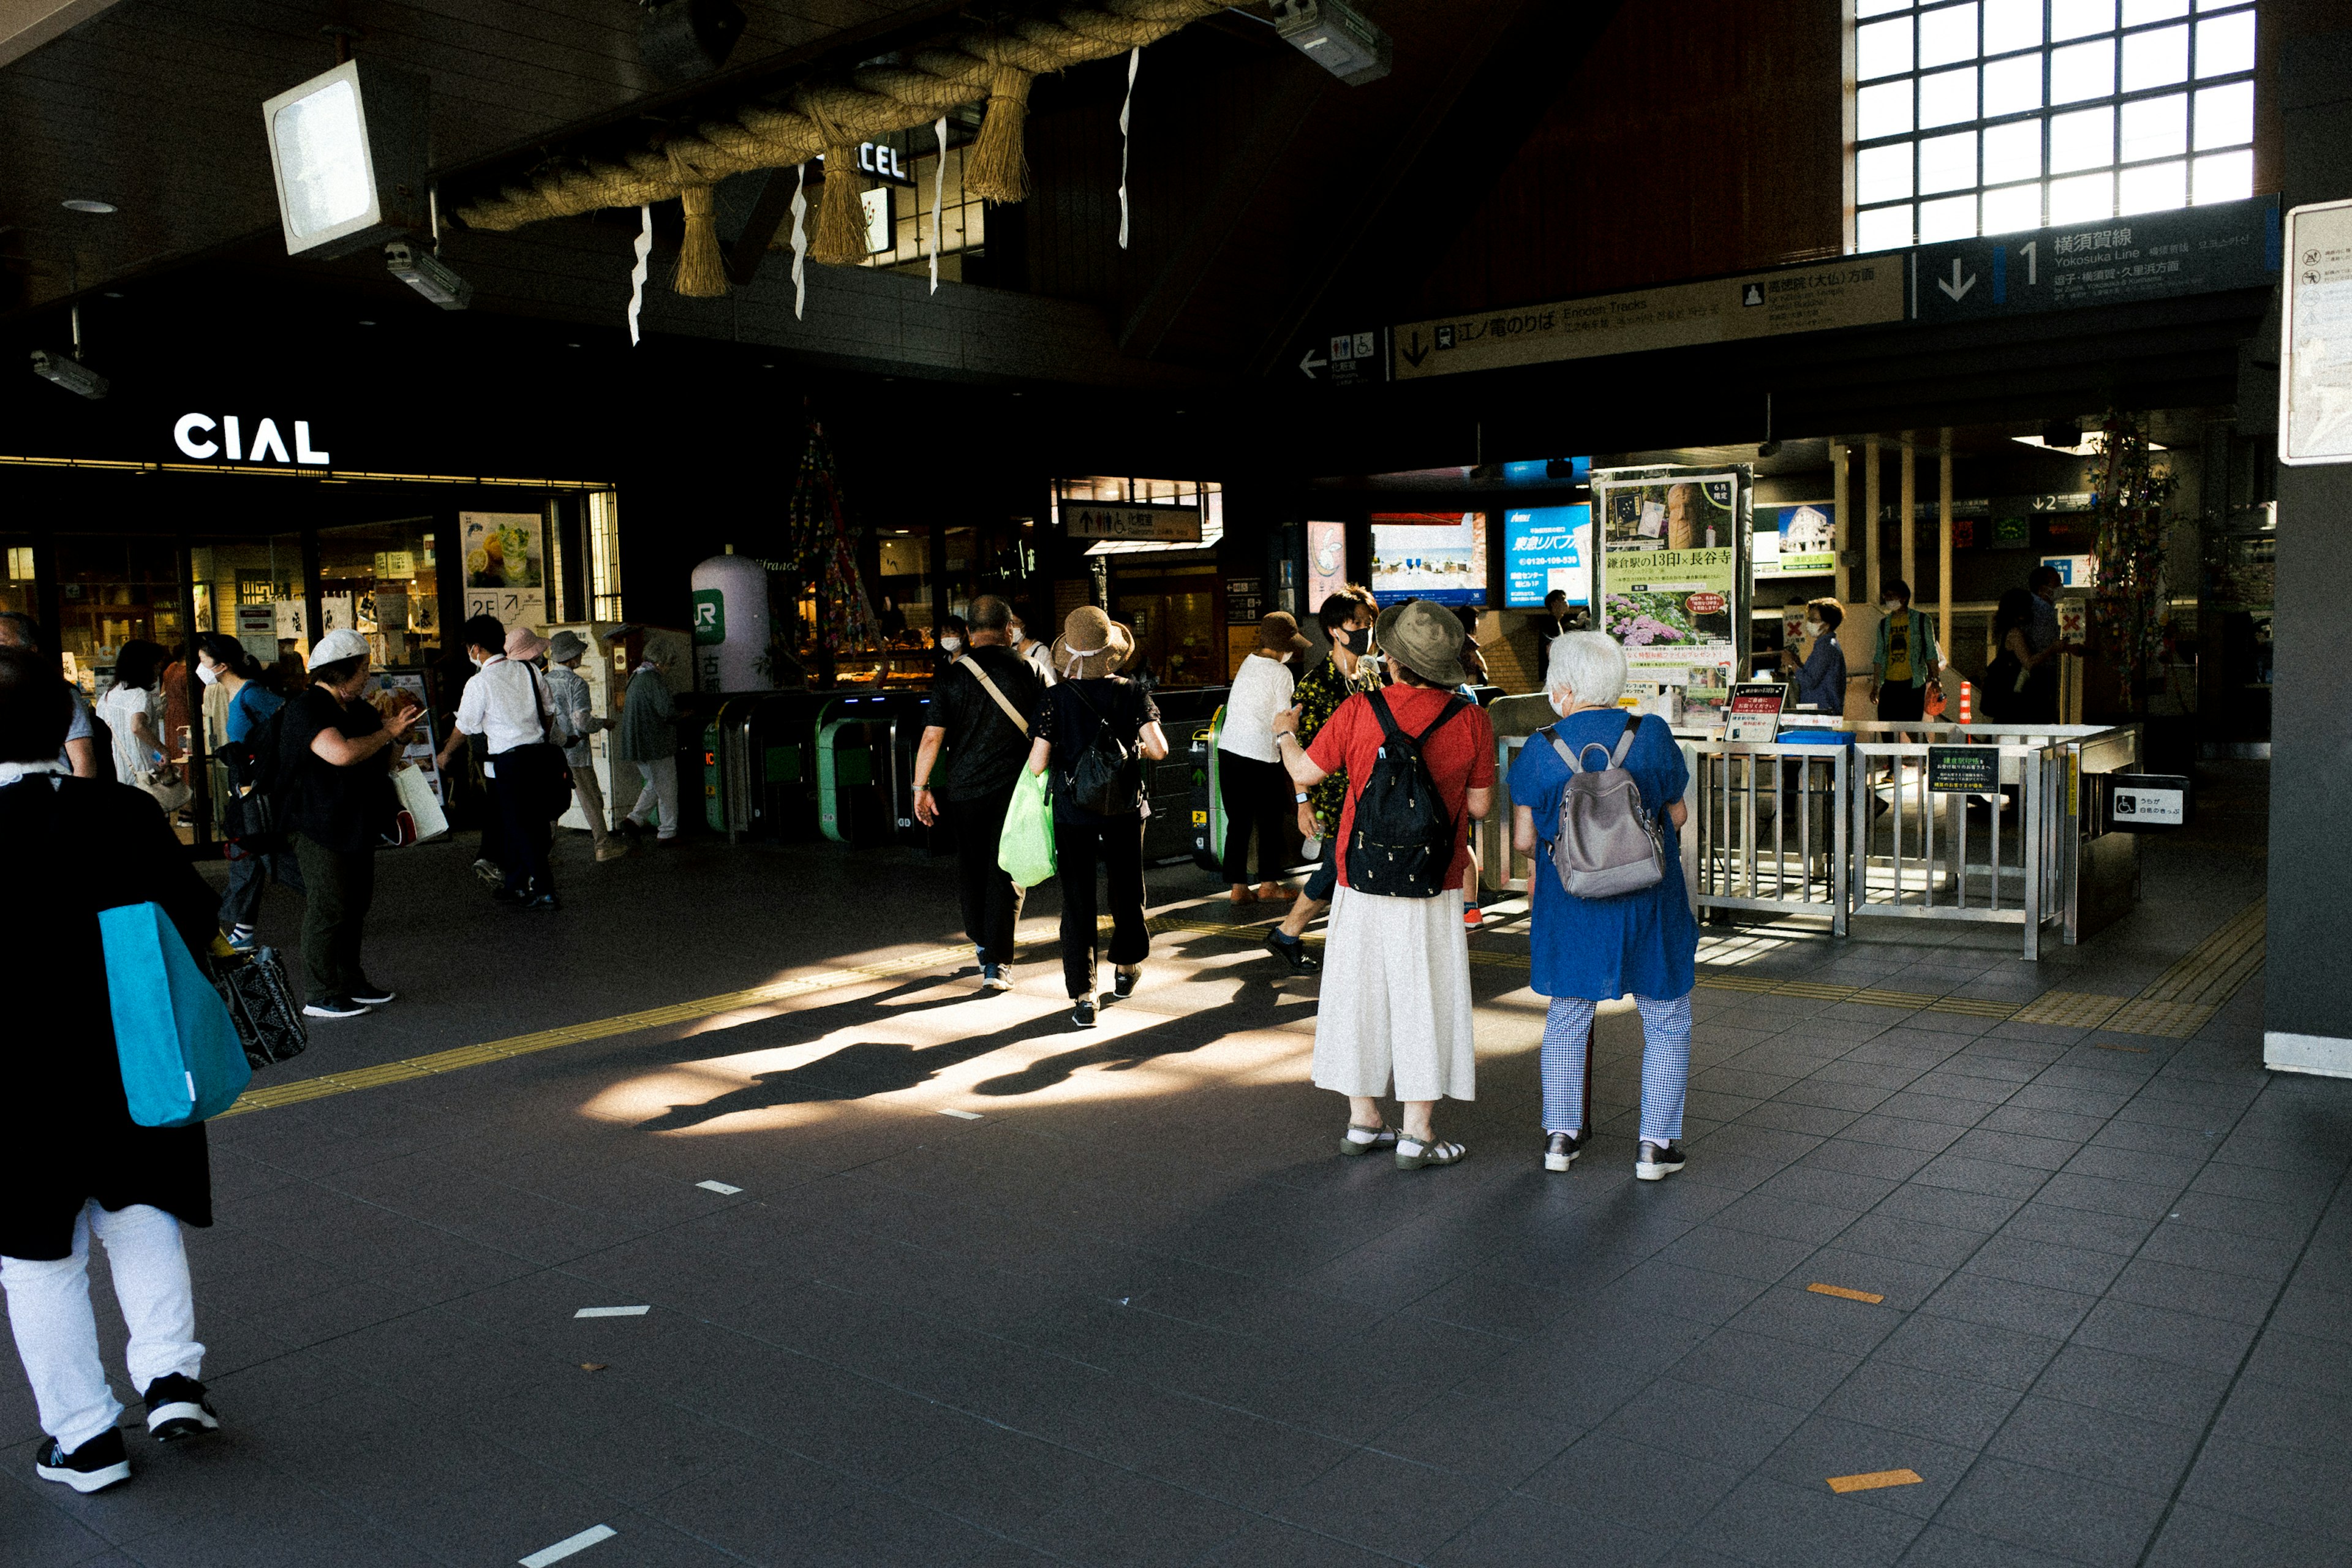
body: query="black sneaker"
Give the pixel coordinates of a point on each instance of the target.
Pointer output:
(1653, 1163)
(95, 1466)
(1122, 983)
(333, 1007)
(538, 901)
(1292, 952)
(1082, 1012)
(1561, 1150)
(368, 994)
(488, 872)
(176, 1408)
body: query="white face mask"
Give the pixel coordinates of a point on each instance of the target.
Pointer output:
(1814, 628)
(951, 645)
(1890, 607)
(207, 674)
(1555, 705)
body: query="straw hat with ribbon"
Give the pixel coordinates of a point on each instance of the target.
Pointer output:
(1091, 645)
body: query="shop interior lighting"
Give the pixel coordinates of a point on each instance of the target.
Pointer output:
(2088, 444)
(1335, 37)
(67, 371)
(350, 154)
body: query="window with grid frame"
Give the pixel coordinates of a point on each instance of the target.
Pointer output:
(1988, 116)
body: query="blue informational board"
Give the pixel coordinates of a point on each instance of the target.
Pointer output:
(1546, 547)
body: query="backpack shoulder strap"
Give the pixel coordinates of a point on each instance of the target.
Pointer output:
(1003, 701)
(1379, 704)
(1552, 734)
(1453, 705)
(1625, 741)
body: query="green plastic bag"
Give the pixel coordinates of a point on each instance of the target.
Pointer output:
(1025, 848)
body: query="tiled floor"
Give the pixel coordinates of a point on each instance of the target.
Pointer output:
(1127, 1307)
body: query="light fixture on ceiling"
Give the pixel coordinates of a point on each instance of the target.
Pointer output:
(2074, 443)
(88, 205)
(349, 152)
(68, 372)
(1335, 37)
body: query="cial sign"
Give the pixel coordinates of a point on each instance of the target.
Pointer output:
(204, 437)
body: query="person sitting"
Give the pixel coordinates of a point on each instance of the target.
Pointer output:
(72, 1163)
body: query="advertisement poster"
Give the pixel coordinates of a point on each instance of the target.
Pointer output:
(505, 566)
(420, 748)
(1807, 539)
(1327, 563)
(1753, 715)
(1437, 557)
(1544, 548)
(1670, 575)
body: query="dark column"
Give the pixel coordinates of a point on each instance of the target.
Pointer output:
(2308, 1000)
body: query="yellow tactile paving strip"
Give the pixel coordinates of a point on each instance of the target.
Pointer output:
(2176, 1005)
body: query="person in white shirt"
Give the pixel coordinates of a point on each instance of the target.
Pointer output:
(508, 704)
(1038, 657)
(1250, 782)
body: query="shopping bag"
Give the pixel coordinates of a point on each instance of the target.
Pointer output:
(261, 1005)
(1025, 848)
(1934, 708)
(416, 798)
(181, 1058)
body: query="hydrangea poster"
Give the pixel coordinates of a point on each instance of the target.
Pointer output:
(1671, 577)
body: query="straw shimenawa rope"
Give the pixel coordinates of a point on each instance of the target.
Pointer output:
(833, 117)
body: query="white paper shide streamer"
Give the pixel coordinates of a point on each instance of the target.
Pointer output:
(637, 273)
(1134, 62)
(939, 187)
(799, 243)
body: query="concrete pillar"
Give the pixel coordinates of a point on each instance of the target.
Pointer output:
(1910, 535)
(1842, 521)
(2307, 997)
(1943, 535)
(1873, 506)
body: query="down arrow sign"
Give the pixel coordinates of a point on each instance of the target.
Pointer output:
(1956, 287)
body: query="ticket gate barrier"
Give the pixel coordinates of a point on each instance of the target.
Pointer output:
(1208, 802)
(855, 804)
(759, 765)
(910, 713)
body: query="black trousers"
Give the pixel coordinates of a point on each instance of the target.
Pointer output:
(1255, 795)
(1118, 847)
(526, 832)
(1901, 701)
(338, 886)
(992, 904)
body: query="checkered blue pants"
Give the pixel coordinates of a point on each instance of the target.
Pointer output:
(1665, 1063)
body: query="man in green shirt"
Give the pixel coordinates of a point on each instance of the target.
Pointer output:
(1907, 657)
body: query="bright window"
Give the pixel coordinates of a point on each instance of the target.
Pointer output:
(1988, 116)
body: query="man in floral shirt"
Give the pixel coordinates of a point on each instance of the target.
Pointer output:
(1346, 620)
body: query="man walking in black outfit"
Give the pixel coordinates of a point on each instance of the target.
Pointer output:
(984, 709)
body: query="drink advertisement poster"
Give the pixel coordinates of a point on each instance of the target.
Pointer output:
(1670, 577)
(505, 566)
(1437, 557)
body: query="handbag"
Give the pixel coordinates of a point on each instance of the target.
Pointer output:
(261, 1006)
(180, 1055)
(1934, 708)
(547, 776)
(418, 804)
(1025, 850)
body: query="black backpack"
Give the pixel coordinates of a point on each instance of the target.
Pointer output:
(258, 815)
(1401, 844)
(1108, 777)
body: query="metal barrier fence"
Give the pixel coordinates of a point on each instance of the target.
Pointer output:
(1751, 855)
(1920, 854)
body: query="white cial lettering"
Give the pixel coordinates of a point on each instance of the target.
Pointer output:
(267, 440)
(184, 434)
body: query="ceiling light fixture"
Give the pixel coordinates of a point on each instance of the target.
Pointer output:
(86, 205)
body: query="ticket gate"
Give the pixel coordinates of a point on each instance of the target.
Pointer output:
(759, 765)
(855, 800)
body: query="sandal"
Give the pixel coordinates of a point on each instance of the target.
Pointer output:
(1381, 1138)
(1431, 1151)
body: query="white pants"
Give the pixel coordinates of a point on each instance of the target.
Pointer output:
(57, 1333)
(661, 790)
(1396, 999)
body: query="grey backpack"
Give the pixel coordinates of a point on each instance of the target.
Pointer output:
(1607, 844)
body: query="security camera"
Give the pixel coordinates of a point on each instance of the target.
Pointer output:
(69, 373)
(1335, 37)
(423, 272)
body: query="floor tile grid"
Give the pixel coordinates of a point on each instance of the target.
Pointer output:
(1698, 1165)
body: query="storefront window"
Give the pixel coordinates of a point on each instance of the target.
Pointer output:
(112, 589)
(899, 216)
(381, 579)
(17, 592)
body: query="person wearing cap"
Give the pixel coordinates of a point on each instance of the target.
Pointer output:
(1250, 782)
(1395, 1003)
(331, 751)
(1089, 699)
(509, 705)
(575, 716)
(983, 713)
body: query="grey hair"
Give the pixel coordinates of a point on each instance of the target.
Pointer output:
(1590, 664)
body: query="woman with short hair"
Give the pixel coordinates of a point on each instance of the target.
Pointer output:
(133, 710)
(1820, 678)
(1590, 951)
(72, 1163)
(222, 661)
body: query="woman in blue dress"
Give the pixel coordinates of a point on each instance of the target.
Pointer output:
(1590, 951)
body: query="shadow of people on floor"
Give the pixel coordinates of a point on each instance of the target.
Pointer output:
(1164, 1036)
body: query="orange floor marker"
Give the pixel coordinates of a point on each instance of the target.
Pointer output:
(1845, 1295)
(1875, 1479)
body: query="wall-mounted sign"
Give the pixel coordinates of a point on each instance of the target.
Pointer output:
(505, 566)
(1804, 541)
(1245, 601)
(1547, 548)
(204, 437)
(1437, 557)
(1326, 562)
(2315, 359)
(1670, 572)
(1165, 524)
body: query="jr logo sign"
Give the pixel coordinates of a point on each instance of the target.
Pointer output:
(709, 616)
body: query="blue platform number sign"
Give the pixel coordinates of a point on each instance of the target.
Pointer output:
(709, 616)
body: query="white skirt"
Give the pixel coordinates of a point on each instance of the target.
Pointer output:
(1396, 998)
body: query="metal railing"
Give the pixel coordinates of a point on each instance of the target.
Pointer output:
(1982, 855)
(1770, 827)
